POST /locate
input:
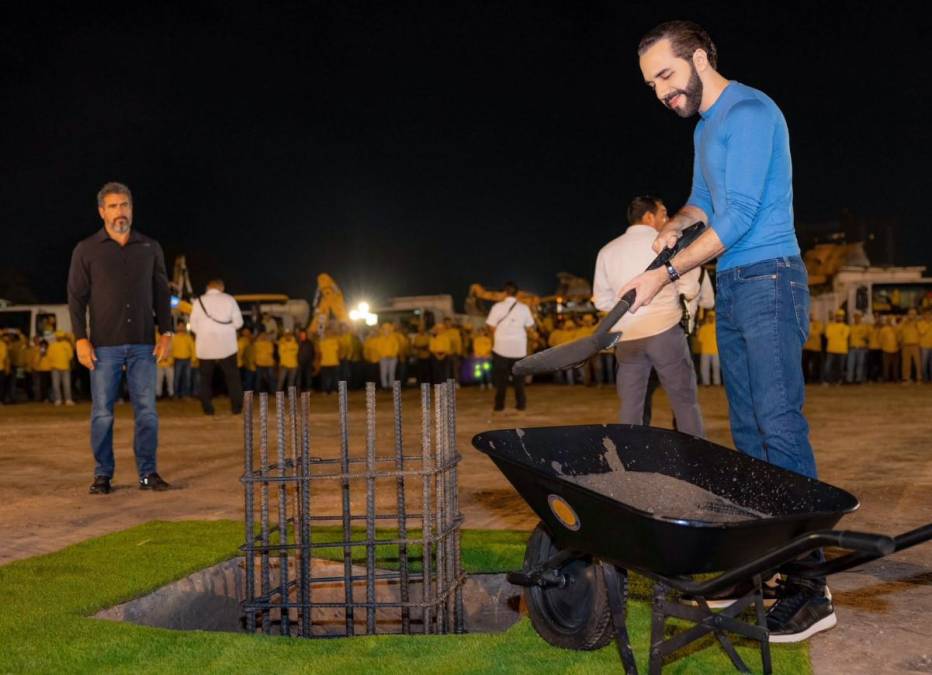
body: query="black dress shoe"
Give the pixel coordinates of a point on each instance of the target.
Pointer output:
(153, 481)
(100, 486)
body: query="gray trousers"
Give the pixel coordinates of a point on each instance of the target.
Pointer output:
(61, 380)
(668, 353)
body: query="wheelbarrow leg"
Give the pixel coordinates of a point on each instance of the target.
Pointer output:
(762, 622)
(616, 581)
(657, 623)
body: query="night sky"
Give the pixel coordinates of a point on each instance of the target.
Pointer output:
(416, 148)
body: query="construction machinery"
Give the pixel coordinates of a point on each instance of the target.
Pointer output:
(573, 294)
(328, 304)
(841, 276)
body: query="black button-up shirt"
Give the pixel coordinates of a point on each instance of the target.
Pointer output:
(125, 287)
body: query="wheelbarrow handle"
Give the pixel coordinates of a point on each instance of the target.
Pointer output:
(860, 556)
(864, 546)
(864, 542)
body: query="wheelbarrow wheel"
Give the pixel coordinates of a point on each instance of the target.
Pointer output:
(575, 615)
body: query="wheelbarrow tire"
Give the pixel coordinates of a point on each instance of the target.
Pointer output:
(576, 616)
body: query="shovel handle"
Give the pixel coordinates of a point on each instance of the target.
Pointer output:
(687, 237)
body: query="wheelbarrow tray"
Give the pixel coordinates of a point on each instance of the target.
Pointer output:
(546, 464)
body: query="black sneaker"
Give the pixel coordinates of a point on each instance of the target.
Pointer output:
(100, 486)
(153, 482)
(800, 615)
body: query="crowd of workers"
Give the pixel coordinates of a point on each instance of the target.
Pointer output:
(889, 349)
(272, 359)
(42, 368)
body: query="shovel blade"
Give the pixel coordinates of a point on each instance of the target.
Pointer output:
(564, 356)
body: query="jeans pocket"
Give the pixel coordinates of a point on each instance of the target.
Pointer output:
(767, 269)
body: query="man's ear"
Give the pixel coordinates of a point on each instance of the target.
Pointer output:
(700, 60)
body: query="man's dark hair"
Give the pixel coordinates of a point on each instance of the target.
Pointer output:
(641, 205)
(113, 188)
(510, 288)
(685, 38)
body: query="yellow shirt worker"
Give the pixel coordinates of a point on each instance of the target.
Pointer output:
(264, 350)
(329, 349)
(288, 351)
(709, 365)
(816, 331)
(909, 345)
(482, 347)
(60, 354)
(440, 346)
(837, 334)
(182, 346)
(925, 332)
(370, 349)
(5, 360)
(889, 341)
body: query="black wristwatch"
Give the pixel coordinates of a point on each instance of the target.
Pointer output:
(671, 271)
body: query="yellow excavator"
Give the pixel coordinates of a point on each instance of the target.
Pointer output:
(572, 291)
(328, 304)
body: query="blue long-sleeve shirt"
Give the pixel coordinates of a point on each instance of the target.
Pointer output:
(743, 177)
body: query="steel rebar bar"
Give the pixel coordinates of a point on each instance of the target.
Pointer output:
(347, 522)
(282, 509)
(426, 586)
(402, 516)
(264, 505)
(294, 484)
(440, 441)
(249, 512)
(305, 489)
(370, 507)
(453, 512)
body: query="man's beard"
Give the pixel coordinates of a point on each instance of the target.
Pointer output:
(692, 94)
(121, 225)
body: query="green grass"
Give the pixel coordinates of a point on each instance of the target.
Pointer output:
(46, 601)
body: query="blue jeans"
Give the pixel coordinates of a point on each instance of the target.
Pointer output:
(857, 365)
(105, 388)
(762, 321)
(182, 377)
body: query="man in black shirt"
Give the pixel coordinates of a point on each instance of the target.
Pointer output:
(117, 280)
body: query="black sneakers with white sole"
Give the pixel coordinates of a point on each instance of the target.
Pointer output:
(801, 614)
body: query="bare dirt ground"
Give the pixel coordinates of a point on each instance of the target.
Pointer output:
(873, 440)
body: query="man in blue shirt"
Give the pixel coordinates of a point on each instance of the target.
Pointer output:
(742, 187)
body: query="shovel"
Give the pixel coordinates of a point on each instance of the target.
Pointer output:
(570, 354)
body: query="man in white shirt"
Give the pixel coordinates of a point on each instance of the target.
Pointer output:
(215, 319)
(509, 321)
(652, 338)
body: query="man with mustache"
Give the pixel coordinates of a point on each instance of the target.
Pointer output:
(117, 284)
(742, 187)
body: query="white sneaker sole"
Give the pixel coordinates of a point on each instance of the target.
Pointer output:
(817, 627)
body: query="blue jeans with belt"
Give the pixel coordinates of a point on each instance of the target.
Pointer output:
(762, 321)
(105, 388)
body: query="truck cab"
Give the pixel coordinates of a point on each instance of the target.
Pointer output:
(33, 320)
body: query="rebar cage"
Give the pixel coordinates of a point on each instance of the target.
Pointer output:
(419, 559)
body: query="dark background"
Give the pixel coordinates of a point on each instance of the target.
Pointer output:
(418, 147)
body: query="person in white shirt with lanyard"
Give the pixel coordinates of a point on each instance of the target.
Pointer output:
(652, 338)
(509, 321)
(214, 320)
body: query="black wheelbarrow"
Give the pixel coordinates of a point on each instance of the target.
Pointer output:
(613, 498)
